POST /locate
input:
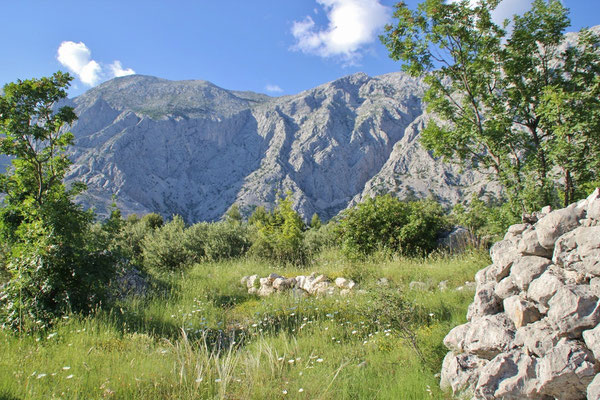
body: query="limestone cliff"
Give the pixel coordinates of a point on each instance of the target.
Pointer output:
(192, 148)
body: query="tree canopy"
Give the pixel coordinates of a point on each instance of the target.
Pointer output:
(515, 100)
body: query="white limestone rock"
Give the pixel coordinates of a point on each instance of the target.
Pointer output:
(593, 389)
(521, 311)
(566, 371)
(579, 250)
(528, 268)
(460, 371)
(542, 289)
(506, 288)
(529, 245)
(573, 309)
(537, 338)
(593, 206)
(592, 340)
(485, 302)
(485, 337)
(510, 375)
(557, 223)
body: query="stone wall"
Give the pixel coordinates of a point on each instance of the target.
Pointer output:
(532, 329)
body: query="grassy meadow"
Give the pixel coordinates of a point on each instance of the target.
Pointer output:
(202, 336)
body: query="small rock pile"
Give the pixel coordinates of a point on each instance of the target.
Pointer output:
(312, 284)
(532, 329)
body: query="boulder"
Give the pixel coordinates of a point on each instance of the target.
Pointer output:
(579, 250)
(506, 288)
(521, 311)
(529, 245)
(282, 283)
(485, 337)
(593, 389)
(557, 223)
(250, 281)
(537, 338)
(485, 302)
(460, 371)
(265, 290)
(573, 309)
(591, 338)
(566, 371)
(528, 268)
(593, 205)
(509, 375)
(344, 283)
(542, 289)
(503, 254)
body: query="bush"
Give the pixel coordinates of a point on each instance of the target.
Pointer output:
(56, 268)
(279, 235)
(485, 221)
(165, 248)
(226, 240)
(317, 239)
(386, 223)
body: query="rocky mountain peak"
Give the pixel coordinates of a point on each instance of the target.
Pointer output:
(193, 148)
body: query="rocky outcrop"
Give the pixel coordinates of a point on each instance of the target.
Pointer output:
(192, 148)
(301, 285)
(533, 328)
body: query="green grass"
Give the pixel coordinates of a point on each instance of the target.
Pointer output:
(204, 337)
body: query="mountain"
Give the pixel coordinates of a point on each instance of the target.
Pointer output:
(192, 148)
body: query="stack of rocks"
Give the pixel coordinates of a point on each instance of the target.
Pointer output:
(532, 329)
(302, 285)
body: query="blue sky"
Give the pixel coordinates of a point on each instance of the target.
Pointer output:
(270, 46)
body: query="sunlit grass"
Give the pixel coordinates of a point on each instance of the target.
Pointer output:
(202, 337)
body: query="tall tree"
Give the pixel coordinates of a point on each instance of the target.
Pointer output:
(53, 262)
(493, 89)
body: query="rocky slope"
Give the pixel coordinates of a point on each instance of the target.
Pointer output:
(532, 329)
(194, 149)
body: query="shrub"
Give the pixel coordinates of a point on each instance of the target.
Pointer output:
(279, 235)
(317, 239)
(226, 240)
(165, 248)
(386, 223)
(484, 220)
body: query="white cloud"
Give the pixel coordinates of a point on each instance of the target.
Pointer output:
(352, 25)
(273, 89)
(506, 8)
(117, 69)
(77, 57)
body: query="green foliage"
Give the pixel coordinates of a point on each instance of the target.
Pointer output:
(217, 241)
(487, 221)
(164, 249)
(516, 103)
(386, 223)
(315, 221)
(317, 239)
(55, 263)
(280, 234)
(233, 214)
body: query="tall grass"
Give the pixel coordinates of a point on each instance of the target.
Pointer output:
(202, 336)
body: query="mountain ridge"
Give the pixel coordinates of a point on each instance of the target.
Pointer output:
(192, 148)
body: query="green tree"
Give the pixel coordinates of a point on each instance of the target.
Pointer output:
(492, 91)
(54, 262)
